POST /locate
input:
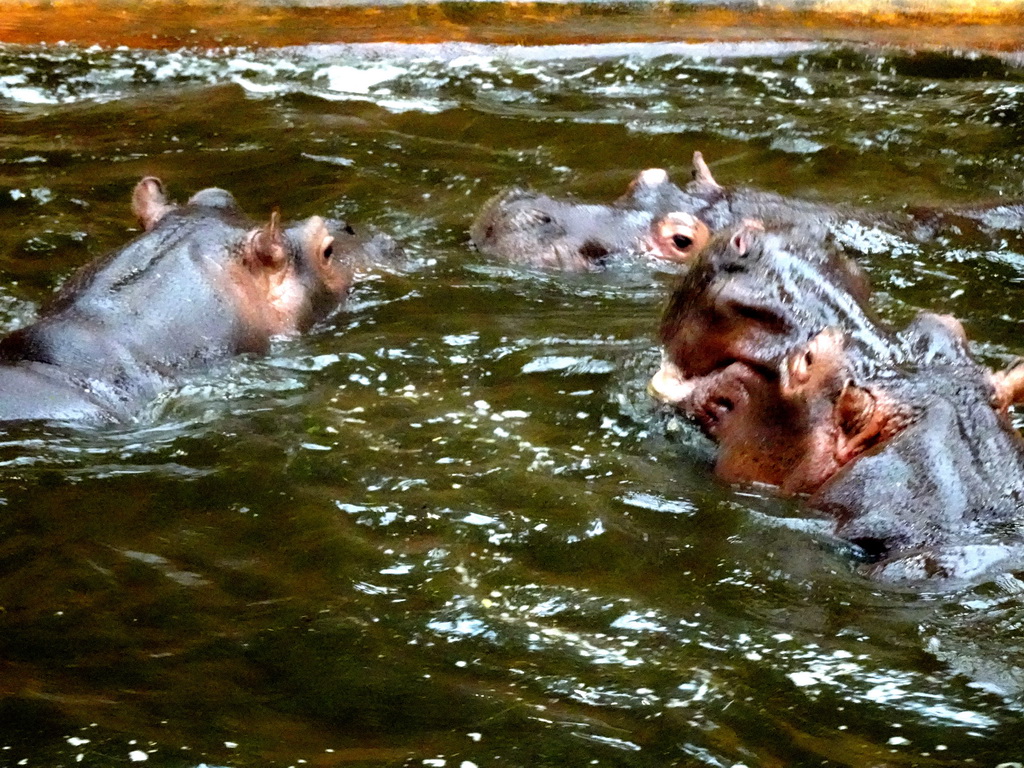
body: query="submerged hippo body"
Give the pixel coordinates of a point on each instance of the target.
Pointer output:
(901, 438)
(201, 284)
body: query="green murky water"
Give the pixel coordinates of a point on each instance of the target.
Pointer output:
(448, 528)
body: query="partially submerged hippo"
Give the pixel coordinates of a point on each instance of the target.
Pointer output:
(672, 223)
(751, 298)
(525, 227)
(941, 494)
(901, 438)
(202, 283)
(654, 216)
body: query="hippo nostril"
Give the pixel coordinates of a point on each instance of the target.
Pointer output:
(682, 242)
(871, 549)
(534, 217)
(489, 232)
(349, 230)
(758, 315)
(592, 251)
(763, 315)
(328, 252)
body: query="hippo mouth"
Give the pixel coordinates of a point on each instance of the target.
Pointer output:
(711, 398)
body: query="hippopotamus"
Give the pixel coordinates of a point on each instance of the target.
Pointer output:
(654, 216)
(201, 283)
(749, 300)
(671, 223)
(525, 227)
(940, 491)
(900, 438)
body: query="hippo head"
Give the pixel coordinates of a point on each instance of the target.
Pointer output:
(795, 427)
(837, 418)
(525, 227)
(754, 299)
(757, 293)
(284, 277)
(654, 217)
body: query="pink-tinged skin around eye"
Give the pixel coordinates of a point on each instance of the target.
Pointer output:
(677, 237)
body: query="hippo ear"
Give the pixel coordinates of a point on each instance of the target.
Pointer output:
(701, 172)
(867, 417)
(1008, 386)
(149, 203)
(859, 421)
(266, 247)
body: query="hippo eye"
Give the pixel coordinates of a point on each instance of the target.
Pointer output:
(349, 230)
(682, 242)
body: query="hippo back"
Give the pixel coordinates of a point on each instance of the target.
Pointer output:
(124, 325)
(165, 299)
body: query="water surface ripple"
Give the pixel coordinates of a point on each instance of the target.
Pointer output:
(448, 528)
